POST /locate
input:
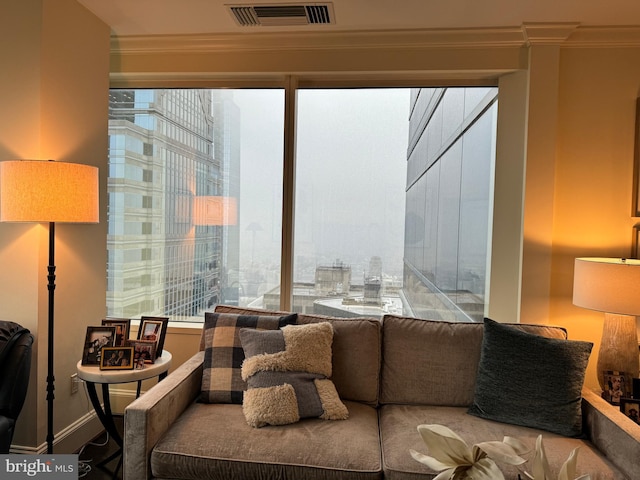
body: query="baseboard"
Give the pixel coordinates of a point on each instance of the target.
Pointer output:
(83, 430)
(70, 439)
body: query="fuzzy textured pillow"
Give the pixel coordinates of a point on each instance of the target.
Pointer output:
(529, 380)
(223, 353)
(287, 372)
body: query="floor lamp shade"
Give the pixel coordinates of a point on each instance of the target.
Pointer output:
(47, 191)
(612, 286)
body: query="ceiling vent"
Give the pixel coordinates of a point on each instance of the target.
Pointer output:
(279, 15)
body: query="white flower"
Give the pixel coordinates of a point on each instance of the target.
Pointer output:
(542, 471)
(453, 458)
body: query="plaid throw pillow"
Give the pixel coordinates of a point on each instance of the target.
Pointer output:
(223, 354)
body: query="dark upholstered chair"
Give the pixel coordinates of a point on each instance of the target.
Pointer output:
(15, 366)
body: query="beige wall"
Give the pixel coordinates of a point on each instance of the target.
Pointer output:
(594, 172)
(53, 92)
(571, 145)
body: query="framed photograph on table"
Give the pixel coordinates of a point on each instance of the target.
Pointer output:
(617, 385)
(144, 351)
(123, 327)
(155, 329)
(635, 242)
(631, 408)
(95, 340)
(116, 358)
(636, 165)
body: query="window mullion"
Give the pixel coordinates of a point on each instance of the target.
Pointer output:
(288, 193)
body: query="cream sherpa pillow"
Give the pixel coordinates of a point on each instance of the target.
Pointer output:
(287, 373)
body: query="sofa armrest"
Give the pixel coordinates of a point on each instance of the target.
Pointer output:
(614, 435)
(147, 418)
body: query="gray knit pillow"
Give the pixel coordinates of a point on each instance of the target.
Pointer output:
(529, 380)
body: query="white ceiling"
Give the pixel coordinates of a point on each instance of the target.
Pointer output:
(158, 17)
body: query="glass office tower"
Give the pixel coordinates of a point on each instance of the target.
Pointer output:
(166, 148)
(449, 202)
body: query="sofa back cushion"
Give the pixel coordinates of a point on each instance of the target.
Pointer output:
(427, 362)
(356, 351)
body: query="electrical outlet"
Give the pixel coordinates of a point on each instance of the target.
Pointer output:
(74, 383)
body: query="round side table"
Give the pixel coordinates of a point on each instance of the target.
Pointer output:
(92, 375)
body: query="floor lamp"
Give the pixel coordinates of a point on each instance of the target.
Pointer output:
(53, 192)
(612, 286)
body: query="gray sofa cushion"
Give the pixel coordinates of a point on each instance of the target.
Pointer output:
(213, 441)
(398, 433)
(443, 359)
(356, 352)
(530, 380)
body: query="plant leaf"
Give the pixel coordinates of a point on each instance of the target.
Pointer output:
(445, 446)
(541, 470)
(500, 452)
(485, 469)
(568, 470)
(430, 462)
(518, 446)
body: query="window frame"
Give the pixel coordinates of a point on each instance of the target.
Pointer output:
(505, 279)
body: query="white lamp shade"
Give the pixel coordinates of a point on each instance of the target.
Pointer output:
(47, 191)
(609, 285)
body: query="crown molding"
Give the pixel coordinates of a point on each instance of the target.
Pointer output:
(569, 34)
(548, 33)
(420, 39)
(604, 37)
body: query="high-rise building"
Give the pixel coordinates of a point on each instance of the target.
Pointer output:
(452, 136)
(166, 148)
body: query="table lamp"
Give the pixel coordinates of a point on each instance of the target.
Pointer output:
(612, 286)
(48, 191)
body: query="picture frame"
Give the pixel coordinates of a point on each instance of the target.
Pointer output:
(635, 241)
(96, 338)
(154, 328)
(123, 327)
(116, 358)
(617, 385)
(630, 407)
(636, 164)
(144, 351)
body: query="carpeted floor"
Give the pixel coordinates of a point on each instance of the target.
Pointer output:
(96, 451)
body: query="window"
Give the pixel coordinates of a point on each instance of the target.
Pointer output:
(392, 198)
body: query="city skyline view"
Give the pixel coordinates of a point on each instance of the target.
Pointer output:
(352, 189)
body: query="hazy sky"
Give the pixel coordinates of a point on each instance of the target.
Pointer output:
(350, 175)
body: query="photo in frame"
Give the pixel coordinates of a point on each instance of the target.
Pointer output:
(636, 165)
(144, 351)
(617, 385)
(631, 408)
(154, 328)
(635, 241)
(123, 327)
(96, 339)
(116, 358)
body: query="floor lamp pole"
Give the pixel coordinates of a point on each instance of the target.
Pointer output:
(50, 377)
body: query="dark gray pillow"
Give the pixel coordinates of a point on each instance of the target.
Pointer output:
(529, 380)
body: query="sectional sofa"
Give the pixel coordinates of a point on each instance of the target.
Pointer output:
(392, 375)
